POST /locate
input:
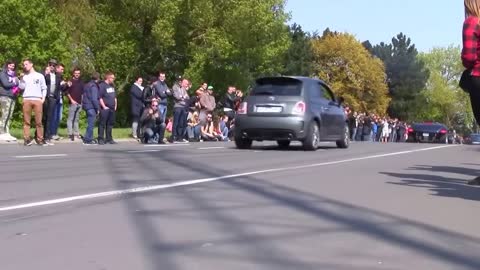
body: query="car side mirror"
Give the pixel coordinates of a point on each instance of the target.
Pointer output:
(340, 100)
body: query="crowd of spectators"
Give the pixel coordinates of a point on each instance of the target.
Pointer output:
(195, 118)
(375, 128)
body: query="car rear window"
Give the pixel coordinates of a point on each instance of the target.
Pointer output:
(428, 127)
(277, 87)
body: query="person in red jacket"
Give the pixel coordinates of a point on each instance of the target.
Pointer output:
(471, 58)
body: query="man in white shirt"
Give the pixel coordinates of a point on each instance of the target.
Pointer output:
(35, 90)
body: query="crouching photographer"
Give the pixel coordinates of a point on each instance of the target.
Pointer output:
(153, 127)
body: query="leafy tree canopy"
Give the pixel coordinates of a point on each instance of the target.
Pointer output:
(353, 73)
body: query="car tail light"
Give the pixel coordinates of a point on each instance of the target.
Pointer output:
(242, 109)
(299, 108)
(410, 130)
(443, 131)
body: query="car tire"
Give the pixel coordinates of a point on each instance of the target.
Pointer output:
(243, 143)
(344, 143)
(312, 141)
(283, 144)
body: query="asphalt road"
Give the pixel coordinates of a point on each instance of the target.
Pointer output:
(210, 206)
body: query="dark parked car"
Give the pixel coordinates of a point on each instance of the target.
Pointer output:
(473, 139)
(428, 132)
(286, 109)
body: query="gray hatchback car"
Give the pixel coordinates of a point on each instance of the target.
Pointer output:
(286, 109)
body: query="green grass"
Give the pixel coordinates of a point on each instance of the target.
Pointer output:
(118, 133)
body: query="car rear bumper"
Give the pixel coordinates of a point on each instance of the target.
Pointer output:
(269, 128)
(432, 138)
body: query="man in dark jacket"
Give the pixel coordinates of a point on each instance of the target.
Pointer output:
(53, 79)
(231, 98)
(8, 82)
(108, 107)
(91, 106)
(162, 91)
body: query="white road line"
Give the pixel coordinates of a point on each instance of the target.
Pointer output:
(166, 145)
(144, 151)
(208, 148)
(41, 156)
(205, 180)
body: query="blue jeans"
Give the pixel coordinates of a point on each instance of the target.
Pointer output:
(56, 118)
(225, 133)
(179, 123)
(91, 116)
(194, 132)
(154, 134)
(162, 110)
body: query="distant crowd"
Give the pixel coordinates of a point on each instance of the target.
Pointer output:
(195, 118)
(374, 128)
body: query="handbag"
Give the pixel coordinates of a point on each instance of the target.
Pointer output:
(466, 81)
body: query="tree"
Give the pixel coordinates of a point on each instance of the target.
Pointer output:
(353, 73)
(445, 101)
(238, 41)
(299, 57)
(406, 75)
(220, 41)
(32, 30)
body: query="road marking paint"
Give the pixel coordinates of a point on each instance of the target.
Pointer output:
(208, 148)
(144, 151)
(205, 180)
(166, 145)
(41, 156)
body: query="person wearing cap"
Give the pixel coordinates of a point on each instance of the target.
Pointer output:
(54, 68)
(207, 104)
(55, 87)
(52, 64)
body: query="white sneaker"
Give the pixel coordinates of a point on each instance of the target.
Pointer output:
(11, 138)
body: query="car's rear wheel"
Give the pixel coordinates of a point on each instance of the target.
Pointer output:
(344, 143)
(283, 144)
(243, 143)
(312, 140)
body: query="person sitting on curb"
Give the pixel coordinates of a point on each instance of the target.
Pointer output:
(194, 129)
(209, 132)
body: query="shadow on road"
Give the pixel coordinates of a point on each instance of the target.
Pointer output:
(259, 249)
(434, 179)
(292, 148)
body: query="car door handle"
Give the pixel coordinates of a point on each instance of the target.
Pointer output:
(325, 108)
